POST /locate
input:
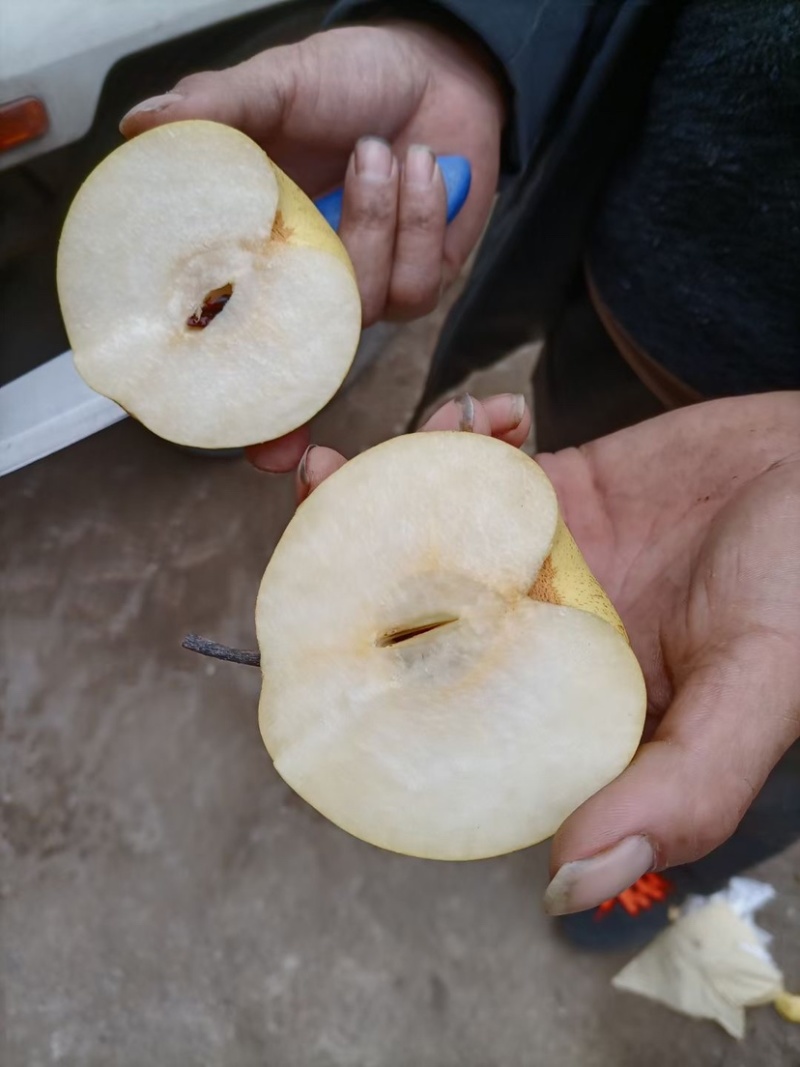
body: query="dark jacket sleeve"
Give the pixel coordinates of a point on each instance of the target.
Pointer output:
(637, 125)
(577, 73)
(542, 49)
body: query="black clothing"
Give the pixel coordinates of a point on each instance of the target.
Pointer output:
(656, 143)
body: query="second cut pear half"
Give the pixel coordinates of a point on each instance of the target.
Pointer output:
(442, 674)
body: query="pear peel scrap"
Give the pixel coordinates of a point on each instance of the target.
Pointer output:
(713, 961)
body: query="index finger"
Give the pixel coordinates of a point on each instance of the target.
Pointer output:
(281, 455)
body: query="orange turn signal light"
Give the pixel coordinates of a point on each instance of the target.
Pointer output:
(21, 121)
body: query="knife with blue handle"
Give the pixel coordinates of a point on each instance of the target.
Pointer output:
(456, 173)
(51, 407)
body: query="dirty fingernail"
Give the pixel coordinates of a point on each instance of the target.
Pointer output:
(584, 884)
(467, 419)
(420, 165)
(302, 470)
(517, 408)
(154, 103)
(373, 158)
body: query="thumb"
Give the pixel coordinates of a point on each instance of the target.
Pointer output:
(686, 790)
(252, 97)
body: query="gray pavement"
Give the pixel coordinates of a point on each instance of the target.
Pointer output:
(165, 900)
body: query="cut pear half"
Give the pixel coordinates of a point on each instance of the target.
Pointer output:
(203, 291)
(442, 675)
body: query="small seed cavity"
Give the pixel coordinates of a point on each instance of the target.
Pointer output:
(397, 637)
(212, 304)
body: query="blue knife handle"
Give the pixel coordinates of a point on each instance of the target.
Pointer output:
(457, 176)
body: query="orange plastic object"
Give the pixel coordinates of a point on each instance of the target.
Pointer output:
(21, 121)
(649, 890)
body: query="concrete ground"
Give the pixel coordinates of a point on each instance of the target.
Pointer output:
(166, 900)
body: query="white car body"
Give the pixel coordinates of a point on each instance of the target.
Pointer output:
(62, 50)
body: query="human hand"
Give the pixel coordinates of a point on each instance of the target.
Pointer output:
(367, 106)
(347, 106)
(691, 522)
(505, 416)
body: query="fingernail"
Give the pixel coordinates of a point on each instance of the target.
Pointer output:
(467, 405)
(420, 165)
(584, 884)
(373, 158)
(302, 469)
(154, 103)
(517, 408)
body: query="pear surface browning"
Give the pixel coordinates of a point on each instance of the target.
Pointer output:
(565, 579)
(178, 214)
(496, 713)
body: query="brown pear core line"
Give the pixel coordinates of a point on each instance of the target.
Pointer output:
(251, 658)
(542, 589)
(396, 637)
(212, 304)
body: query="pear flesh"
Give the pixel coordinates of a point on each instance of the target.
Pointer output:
(442, 675)
(170, 219)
